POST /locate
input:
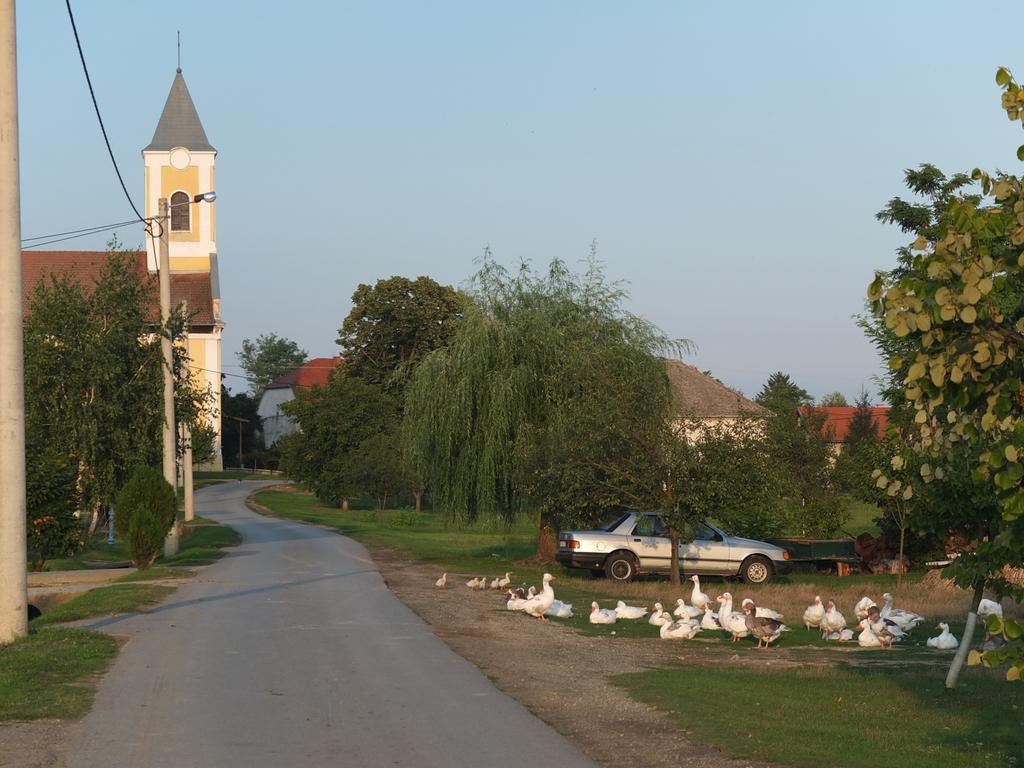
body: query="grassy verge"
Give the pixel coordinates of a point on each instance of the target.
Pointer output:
(41, 675)
(842, 718)
(423, 537)
(204, 542)
(105, 601)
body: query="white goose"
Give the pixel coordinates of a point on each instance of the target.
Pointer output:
(867, 638)
(495, 583)
(697, 597)
(860, 610)
(944, 642)
(505, 580)
(833, 621)
(710, 619)
(732, 621)
(760, 611)
(814, 614)
(906, 620)
(560, 610)
(888, 631)
(624, 611)
(474, 582)
(683, 629)
(599, 615)
(684, 611)
(442, 582)
(515, 602)
(988, 608)
(538, 605)
(656, 616)
(842, 636)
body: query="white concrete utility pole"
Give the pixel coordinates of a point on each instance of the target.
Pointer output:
(167, 353)
(170, 474)
(13, 579)
(186, 474)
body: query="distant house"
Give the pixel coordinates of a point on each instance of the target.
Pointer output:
(313, 373)
(698, 396)
(837, 420)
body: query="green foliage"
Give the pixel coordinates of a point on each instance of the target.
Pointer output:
(105, 601)
(782, 395)
(800, 444)
(145, 512)
(833, 400)
(517, 387)
(338, 423)
(862, 453)
(955, 305)
(394, 324)
(1011, 653)
(234, 407)
(267, 358)
(93, 376)
(50, 502)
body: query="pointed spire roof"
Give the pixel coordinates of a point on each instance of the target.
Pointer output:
(179, 124)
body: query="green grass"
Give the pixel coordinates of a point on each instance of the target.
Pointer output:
(105, 601)
(862, 519)
(423, 537)
(41, 675)
(842, 717)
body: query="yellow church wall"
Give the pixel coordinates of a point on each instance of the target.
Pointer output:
(187, 180)
(190, 264)
(146, 169)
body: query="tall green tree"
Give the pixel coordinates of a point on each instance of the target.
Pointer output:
(833, 400)
(782, 395)
(393, 324)
(955, 303)
(335, 423)
(862, 453)
(236, 406)
(268, 357)
(481, 411)
(93, 377)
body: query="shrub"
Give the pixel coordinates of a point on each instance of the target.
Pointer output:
(144, 514)
(51, 500)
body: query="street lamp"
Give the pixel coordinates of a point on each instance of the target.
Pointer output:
(167, 353)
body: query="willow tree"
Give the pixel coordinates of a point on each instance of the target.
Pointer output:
(486, 414)
(964, 380)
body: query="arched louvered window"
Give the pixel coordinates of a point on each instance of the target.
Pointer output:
(180, 212)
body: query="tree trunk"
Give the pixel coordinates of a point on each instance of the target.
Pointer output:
(419, 500)
(899, 573)
(344, 504)
(965, 639)
(94, 519)
(674, 556)
(547, 539)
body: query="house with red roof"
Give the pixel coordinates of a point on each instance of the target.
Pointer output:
(837, 420)
(312, 373)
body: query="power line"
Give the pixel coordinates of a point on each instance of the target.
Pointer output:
(59, 237)
(99, 117)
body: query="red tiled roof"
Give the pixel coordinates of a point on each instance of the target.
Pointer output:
(85, 267)
(312, 373)
(837, 420)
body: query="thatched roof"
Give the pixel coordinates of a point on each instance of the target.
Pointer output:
(699, 395)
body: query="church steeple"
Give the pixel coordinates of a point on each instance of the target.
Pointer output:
(179, 124)
(179, 165)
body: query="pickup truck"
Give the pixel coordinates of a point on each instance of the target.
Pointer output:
(638, 543)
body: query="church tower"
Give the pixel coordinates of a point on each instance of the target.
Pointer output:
(179, 164)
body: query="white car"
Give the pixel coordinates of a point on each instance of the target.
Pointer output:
(637, 543)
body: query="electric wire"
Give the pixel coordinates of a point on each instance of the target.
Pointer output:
(74, 234)
(99, 117)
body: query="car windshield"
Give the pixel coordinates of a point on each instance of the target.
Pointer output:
(614, 523)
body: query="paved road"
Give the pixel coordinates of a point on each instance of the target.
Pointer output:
(291, 651)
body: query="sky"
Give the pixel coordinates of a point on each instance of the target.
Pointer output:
(727, 158)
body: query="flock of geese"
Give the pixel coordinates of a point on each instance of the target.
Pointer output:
(880, 627)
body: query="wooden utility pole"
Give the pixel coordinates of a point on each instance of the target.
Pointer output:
(13, 579)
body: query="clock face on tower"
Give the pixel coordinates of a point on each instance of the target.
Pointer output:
(180, 158)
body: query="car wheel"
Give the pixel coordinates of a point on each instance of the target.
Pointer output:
(620, 567)
(756, 570)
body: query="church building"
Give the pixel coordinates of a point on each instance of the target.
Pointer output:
(179, 166)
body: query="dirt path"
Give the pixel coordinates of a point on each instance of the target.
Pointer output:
(38, 744)
(558, 674)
